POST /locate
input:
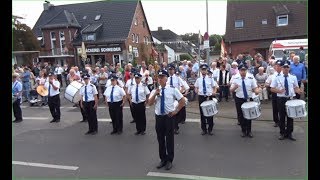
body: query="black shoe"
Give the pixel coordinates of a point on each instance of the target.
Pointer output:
(227, 100)
(250, 135)
(161, 164)
(243, 134)
(291, 138)
(281, 137)
(183, 122)
(176, 131)
(137, 133)
(239, 123)
(84, 120)
(210, 133)
(203, 133)
(52, 121)
(119, 132)
(168, 165)
(57, 120)
(89, 132)
(113, 132)
(94, 132)
(143, 133)
(133, 121)
(275, 125)
(17, 121)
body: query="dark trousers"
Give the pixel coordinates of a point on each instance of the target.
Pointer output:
(83, 113)
(102, 88)
(245, 123)
(275, 111)
(59, 77)
(54, 106)
(139, 116)
(205, 120)
(132, 113)
(298, 95)
(224, 92)
(115, 111)
(164, 129)
(281, 101)
(92, 115)
(180, 117)
(234, 97)
(66, 79)
(17, 109)
(305, 89)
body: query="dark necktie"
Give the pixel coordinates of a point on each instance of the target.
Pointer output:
(244, 89)
(204, 86)
(162, 102)
(171, 82)
(286, 85)
(111, 95)
(49, 90)
(137, 96)
(131, 82)
(85, 94)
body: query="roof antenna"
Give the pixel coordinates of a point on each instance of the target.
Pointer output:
(47, 1)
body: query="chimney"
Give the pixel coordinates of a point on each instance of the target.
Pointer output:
(47, 5)
(159, 28)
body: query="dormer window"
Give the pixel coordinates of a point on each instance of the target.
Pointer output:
(88, 37)
(97, 17)
(84, 17)
(282, 20)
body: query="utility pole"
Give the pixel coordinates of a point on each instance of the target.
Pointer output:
(208, 49)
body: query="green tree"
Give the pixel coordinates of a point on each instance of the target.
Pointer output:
(24, 39)
(185, 56)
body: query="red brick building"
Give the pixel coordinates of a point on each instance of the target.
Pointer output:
(252, 26)
(113, 32)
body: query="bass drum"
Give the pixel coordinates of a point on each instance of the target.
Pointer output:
(72, 93)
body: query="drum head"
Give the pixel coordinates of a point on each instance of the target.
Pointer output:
(76, 84)
(247, 105)
(295, 102)
(206, 103)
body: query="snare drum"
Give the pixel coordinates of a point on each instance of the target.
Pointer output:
(296, 108)
(251, 110)
(209, 108)
(73, 92)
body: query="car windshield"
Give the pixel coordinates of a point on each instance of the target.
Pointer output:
(279, 53)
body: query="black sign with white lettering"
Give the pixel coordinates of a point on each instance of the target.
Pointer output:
(103, 49)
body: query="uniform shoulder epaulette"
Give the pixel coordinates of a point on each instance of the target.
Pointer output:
(250, 77)
(237, 78)
(91, 85)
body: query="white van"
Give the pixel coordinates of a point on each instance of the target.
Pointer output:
(278, 46)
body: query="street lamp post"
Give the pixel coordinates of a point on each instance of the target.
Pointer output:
(208, 49)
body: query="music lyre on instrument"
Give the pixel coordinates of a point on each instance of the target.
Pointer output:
(42, 90)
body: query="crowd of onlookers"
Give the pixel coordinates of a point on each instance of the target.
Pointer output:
(188, 70)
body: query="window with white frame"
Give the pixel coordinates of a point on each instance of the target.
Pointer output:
(264, 21)
(282, 20)
(137, 38)
(97, 17)
(238, 23)
(133, 37)
(53, 41)
(62, 40)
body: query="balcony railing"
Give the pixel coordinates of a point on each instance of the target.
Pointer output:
(57, 52)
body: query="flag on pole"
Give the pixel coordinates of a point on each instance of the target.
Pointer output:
(223, 52)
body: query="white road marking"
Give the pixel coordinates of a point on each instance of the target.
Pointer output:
(67, 107)
(45, 165)
(192, 120)
(184, 176)
(104, 120)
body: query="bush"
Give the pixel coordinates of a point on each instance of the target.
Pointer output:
(185, 56)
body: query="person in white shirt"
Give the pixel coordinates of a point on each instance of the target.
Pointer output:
(143, 69)
(139, 95)
(205, 87)
(129, 83)
(115, 98)
(53, 97)
(285, 85)
(147, 80)
(244, 85)
(58, 72)
(215, 71)
(164, 98)
(223, 82)
(89, 102)
(16, 98)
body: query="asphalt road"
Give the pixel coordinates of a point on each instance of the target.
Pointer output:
(224, 155)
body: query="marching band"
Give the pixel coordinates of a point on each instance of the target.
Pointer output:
(168, 91)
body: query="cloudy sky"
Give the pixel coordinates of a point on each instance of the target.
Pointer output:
(179, 16)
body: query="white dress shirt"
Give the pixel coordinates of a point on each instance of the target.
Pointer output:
(120, 83)
(210, 84)
(150, 81)
(215, 73)
(91, 91)
(176, 81)
(249, 81)
(53, 92)
(185, 85)
(58, 70)
(143, 91)
(278, 83)
(130, 82)
(118, 93)
(223, 77)
(170, 95)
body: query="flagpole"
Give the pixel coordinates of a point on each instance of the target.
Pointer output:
(208, 50)
(199, 41)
